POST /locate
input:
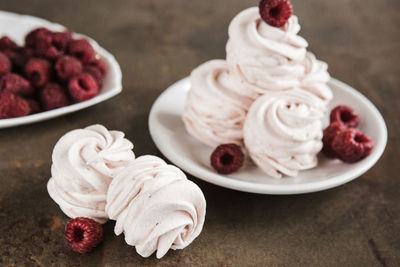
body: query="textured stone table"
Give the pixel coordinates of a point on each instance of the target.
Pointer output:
(159, 42)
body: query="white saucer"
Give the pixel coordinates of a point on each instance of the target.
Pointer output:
(170, 136)
(17, 26)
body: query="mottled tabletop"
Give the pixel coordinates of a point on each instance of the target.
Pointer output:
(158, 42)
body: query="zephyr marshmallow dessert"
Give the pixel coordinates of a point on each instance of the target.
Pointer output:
(155, 206)
(281, 87)
(84, 163)
(215, 109)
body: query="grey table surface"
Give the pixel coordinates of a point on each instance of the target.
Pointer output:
(158, 42)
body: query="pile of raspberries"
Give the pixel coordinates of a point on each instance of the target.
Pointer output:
(50, 71)
(342, 139)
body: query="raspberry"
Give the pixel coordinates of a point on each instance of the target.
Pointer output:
(82, 49)
(38, 71)
(53, 45)
(15, 84)
(12, 106)
(345, 115)
(34, 106)
(83, 234)
(35, 36)
(227, 158)
(67, 67)
(5, 64)
(83, 87)
(53, 96)
(7, 43)
(96, 74)
(351, 145)
(22, 56)
(100, 65)
(329, 134)
(275, 12)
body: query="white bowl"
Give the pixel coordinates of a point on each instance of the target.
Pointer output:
(170, 136)
(17, 26)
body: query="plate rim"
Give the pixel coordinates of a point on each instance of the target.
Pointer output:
(50, 114)
(271, 189)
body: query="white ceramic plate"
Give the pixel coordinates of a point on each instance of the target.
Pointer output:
(170, 136)
(17, 26)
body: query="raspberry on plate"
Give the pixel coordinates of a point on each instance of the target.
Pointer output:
(83, 87)
(227, 158)
(351, 145)
(53, 45)
(82, 49)
(32, 38)
(16, 84)
(330, 133)
(68, 67)
(5, 64)
(12, 106)
(275, 12)
(96, 74)
(38, 71)
(83, 234)
(53, 96)
(345, 115)
(7, 43)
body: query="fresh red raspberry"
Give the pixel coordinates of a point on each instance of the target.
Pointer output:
(7, 43)
(83, 234)
(345, 115)
(35, 36)
(275, 12)
(330, 133)
(83, 87)
(52, 96)
(5, 64)
(68, 67)
(227, 158)
(12, 106)
(33, 105)
(99, 64)
(96, 74)
(82, 49)
(16, 84)
(38, 71)
(351, 145)
(53, 45)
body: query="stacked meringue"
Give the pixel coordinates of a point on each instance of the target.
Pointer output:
(95, 175)
(270, 94)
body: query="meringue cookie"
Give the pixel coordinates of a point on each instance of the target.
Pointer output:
(155, 206)
(263, 57)
(316, 78)
(216, 107)
(84, 164)
(283, 131)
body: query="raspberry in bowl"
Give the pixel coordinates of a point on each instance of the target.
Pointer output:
(39, 53)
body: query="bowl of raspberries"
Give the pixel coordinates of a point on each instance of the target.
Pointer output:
(47, 71)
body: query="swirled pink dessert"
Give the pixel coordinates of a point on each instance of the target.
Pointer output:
(155, 206)
(283, 132)
(216, 106)
(84, 163)
(264, 57)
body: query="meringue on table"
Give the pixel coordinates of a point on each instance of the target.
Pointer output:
(155, 206)
(84, 163)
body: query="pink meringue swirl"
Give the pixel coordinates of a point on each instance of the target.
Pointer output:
(155, 206)
(84, 163)
(264, 57)
(283, 132)
(316, 78)
(215, 109)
